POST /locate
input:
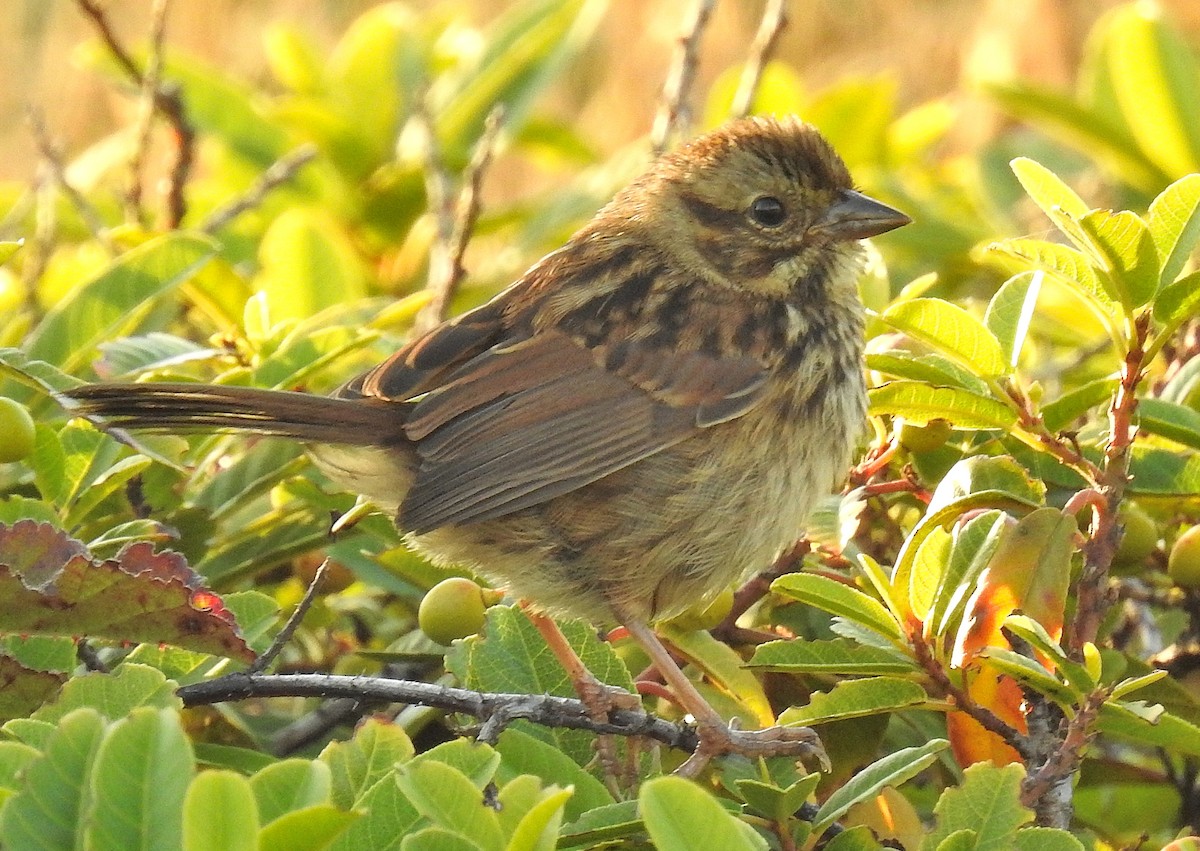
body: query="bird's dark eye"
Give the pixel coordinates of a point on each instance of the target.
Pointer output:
(768, 211)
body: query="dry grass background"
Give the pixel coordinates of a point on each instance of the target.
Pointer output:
(933, 48)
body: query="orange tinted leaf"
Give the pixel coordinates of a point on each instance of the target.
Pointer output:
(51, 585)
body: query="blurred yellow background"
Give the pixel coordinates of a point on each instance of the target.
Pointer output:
(932, 47)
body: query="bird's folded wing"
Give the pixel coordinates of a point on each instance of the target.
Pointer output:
(535, 417)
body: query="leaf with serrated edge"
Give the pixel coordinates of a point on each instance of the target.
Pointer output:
(1068, 265)
(892, 770)
(951, 330)
(837, 656)
(987, 801)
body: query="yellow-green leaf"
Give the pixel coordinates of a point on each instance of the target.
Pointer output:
(951, 330)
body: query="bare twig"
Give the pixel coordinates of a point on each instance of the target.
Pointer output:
(674, 113)
(1047, 790)
(167, 100)
(774, 22)
(150, 81)
(54, 160)
(547, 710)
(455, 217)
(280, 172)
(285, 635)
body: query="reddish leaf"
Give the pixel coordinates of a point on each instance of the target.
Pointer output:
(1028, 572)
(50, 585)
(23, 690)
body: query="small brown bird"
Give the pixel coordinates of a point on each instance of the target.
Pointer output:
(646, 416)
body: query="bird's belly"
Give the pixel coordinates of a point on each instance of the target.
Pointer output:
(670, 530)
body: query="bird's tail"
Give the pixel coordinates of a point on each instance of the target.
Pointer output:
(181, 407)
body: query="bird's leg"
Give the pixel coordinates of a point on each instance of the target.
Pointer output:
(599, 699)
(716, 737)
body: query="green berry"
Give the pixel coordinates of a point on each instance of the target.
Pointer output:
(924, 438)
(16, 431)
(454, 608)
(1140, 537)
(1183, 564)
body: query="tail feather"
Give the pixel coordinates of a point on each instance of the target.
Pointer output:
(303, 416)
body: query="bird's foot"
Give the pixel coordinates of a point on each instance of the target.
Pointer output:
(718, 740)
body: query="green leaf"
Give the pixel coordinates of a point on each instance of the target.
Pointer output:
(919, 403)
(47, 811)
(437, 839)
(988, 802)
(538, 828)
(1034, 634)
(603, 824)
(141, 774)
(449, 799)
(1072, 405)
(526, 47)
(1029, 673)
(357, 765)
(308, 264)
(523, 754)
(1057, 200)
(892, 770)
(1150, 726)
(1068, 265)
(311, 829)
(8, 248)
(1154, 75)
(839, 599)
(1175, 304)
(219, 813)
(290, 784)
(837, 656)
(951, 330)
(680, 816)
(1010, 312)
(971, 549)
(928, 368)
(1167, 419)
(1164, 472)
(1086, 130)
(855, 699)
(118, 300)
(773, 802)
(1129, 686)
(114, 695)
(511, 657)
(1045, 839)
(1129, 259)
(1174, 219)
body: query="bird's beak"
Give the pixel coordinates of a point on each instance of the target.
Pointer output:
(855, 216)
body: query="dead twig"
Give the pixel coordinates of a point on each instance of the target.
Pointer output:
(167, 101)
(454, 217)
(280, 172)
(674, 113)
(145, 121)
(774, 22)
(58, 171)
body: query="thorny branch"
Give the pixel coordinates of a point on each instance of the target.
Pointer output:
(495, 710)
(674, 113)
(774, 22)
(167, 101)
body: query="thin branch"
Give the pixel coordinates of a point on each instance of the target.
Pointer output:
(1047, 782)
(774, 22)
(455, 218)
(167, 100)
(281, 171)
(285, 635)
(145, 122)
(54, 160)
(674, 113)
(547, 710)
